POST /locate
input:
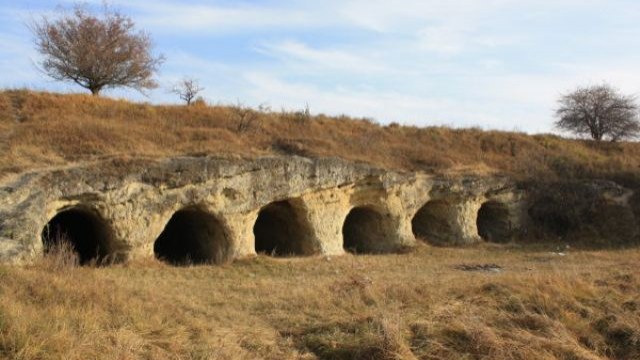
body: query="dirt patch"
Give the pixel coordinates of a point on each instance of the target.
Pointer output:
(479, 267)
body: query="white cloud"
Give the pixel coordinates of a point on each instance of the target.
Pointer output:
(204, 19)
(383, 16)
(326, 59)
(444, 40)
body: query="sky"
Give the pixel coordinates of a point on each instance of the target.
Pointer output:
(493, 64)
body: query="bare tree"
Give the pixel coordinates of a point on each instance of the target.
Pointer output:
(600, 112)
(96, 52)
(187, 89)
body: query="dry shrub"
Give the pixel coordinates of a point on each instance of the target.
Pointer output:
(290, 147)
(394, 340)
(370, 338)
(60, 256)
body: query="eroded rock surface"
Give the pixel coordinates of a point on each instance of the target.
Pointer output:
(211, 210)
(205, 209)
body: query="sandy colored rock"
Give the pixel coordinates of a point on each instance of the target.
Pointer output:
(327, 201)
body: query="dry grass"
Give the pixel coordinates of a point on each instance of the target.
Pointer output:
(419, 305)
(43, 129)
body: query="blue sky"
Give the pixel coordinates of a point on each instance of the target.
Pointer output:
(496, 64)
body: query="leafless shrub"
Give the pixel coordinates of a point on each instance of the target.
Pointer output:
(264, 108)
(303, 116)
(187, 89)
(245, 117)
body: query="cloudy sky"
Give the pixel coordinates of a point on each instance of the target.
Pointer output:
(496, 64)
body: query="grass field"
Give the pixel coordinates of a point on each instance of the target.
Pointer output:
(484, 302)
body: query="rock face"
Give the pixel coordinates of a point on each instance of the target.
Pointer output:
(211, 210)
(600, 211)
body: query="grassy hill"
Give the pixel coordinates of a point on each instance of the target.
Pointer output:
(496, 302)
(43, 129)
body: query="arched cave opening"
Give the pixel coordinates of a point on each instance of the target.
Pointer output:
(281, 229)
(192, 236)
(431, 223)
(366, 231)
(86, 234)
(494, 222)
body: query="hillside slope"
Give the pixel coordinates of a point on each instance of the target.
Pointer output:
(43, 129)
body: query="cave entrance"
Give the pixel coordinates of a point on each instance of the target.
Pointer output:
(431, 223)
(494, 222)
(281, 229)
(192, 236)
(84, 232)
(366, 231)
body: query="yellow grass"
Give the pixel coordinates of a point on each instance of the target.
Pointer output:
(43, 129)
(585, 305)
(418, 305)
